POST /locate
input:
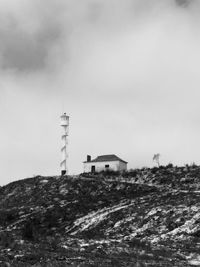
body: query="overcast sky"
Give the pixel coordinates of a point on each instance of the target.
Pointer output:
(126, 72)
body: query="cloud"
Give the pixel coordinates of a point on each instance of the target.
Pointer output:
(27, 36)
(183, 2)
(31, 32)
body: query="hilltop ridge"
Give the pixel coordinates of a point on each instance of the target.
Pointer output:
(144, 217)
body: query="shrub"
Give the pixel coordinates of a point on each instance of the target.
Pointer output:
(132, 173)
(6, 239)
(196, 234)
(171, 225)
(138, 244)
(170, 165)
(7, 217)
(154, 170)
(27, 232)
(31, 229)
(111, 173)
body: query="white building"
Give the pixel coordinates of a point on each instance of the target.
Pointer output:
(104, 163)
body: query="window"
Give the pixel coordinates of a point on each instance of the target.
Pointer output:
(107, 166)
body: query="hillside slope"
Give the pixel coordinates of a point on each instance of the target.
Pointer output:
(145, 221)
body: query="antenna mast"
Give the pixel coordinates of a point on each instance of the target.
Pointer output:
(64, 149)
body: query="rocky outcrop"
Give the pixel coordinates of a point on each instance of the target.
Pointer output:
(146, 217)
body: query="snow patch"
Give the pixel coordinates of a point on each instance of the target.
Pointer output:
(194, 260)
(153, 211)
(44, 181)
(94, 218)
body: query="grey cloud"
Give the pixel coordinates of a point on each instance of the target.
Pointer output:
(183, 2)
(25, 50)
(22, 53)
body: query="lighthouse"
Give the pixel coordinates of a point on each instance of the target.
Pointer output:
(64, 148)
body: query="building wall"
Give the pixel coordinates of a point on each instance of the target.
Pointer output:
(100, 166)
(122, 166)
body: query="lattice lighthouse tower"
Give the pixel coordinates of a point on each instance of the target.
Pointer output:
(64, 149)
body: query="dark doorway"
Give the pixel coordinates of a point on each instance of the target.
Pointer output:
(107, 167)
(93, 168)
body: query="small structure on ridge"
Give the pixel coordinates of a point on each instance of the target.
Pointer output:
(105, 163)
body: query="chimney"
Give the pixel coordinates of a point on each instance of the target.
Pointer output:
(88, 158)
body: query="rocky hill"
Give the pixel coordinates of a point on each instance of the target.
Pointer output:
(146, 217)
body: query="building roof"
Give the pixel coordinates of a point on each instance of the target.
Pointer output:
(104, 158)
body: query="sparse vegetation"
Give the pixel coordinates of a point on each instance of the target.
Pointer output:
(148, 215)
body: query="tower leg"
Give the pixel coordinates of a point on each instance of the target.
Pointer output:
(63, 172)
